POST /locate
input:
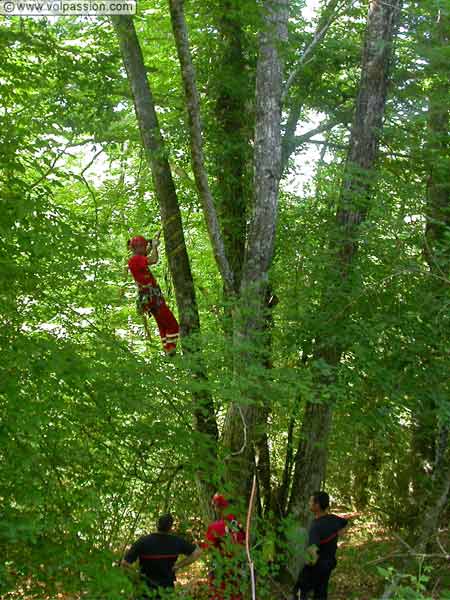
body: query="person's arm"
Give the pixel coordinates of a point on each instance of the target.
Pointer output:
(130, 571)
(153, 258)
(132, 555)
(188, 560)
(125, 563)
(344, 527)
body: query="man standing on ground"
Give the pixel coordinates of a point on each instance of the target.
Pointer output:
(157, 554)
(321, 551)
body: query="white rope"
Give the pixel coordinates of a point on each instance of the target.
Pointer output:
(247, 538)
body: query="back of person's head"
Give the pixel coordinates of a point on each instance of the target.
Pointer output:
(322, 499)
(164, 523)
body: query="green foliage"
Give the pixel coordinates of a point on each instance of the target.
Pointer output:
(95, 424)
(408, 586)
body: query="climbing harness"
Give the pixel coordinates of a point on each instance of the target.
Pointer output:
(148, 294)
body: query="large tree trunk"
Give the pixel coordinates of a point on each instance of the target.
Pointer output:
(245, 421)
(232, 136)
(175, 246)
(367, 125)
(311, 458)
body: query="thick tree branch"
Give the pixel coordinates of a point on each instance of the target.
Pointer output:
(267, 153)
(232, 114)
(195, 129)
(367, 124)
(293, 143)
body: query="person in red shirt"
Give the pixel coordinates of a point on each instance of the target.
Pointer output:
(225, 538)
(150, 298)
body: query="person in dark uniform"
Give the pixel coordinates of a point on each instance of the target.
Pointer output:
(323, 537)
(157, 554)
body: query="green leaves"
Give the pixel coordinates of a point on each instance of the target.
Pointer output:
(95, 425)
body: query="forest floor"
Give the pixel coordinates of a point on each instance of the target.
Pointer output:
(365, 548)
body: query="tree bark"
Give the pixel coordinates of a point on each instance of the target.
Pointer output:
(195, 129)
(153, 142)
(311, 458)
(246, 421)
(432, 433)
(232, 139)
(367, 125)
(438, 185)
(154, 145)
(267, 153)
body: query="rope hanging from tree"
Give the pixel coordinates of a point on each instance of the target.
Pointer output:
(248, 524)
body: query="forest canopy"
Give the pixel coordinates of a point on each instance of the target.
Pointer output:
(295, 156)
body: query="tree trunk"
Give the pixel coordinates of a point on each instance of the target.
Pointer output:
(438, 159)
(311, 458)
(437, 499)
(367, 125)
(245, 422)
(234, 126)
(153, 143)
(198, 162)
(433, 427)
(205, 422)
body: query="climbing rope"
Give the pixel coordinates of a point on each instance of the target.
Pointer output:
(251, 565)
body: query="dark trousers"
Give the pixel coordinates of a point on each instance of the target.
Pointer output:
(315, 578)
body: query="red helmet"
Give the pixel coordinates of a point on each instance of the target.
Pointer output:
(138, 241)
(219, 501)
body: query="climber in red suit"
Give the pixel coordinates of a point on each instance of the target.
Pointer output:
(225, 538)
(150, 298)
